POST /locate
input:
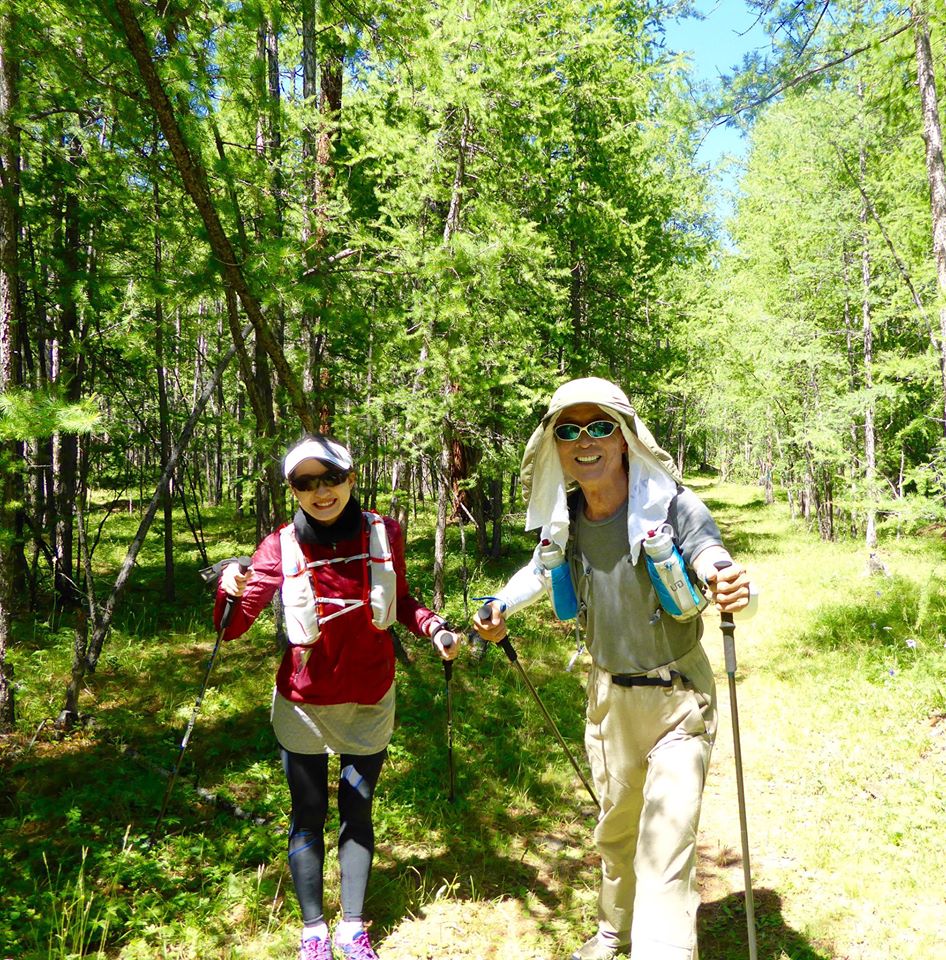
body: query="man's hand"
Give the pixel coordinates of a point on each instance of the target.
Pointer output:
(492, 629)
(730, 587)
(233, 580)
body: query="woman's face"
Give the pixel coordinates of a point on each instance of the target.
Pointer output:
(589, 460)
(324, 503)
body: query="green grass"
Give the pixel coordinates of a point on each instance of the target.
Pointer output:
(842, 699)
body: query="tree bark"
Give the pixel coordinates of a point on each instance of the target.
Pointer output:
(167, 500)
(9, 338)
(69, 377)
(936, 173)
(322, 77)
(195, 182)
(867, 335)
(451, 226)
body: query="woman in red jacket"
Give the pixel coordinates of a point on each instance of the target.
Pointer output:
(341, 575)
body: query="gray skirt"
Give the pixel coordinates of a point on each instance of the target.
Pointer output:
(356, 728)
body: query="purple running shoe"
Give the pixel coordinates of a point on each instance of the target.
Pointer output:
(359, 948)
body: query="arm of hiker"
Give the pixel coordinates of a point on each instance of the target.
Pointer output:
(525, 587)
(411, 613)
(251, 591)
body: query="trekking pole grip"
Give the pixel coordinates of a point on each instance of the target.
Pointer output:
(728, 628)
(244, 563)
(447, 664)
(485, 613)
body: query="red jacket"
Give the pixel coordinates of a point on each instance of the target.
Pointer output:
(352, 661)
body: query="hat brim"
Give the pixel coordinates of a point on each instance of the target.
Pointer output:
(326, 451)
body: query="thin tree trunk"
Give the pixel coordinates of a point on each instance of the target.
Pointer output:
(936, 173)
(167, 501)
(867, 332)
(440, 531)
(451, 226)
(322, 76)
(10, 492)
(70, 377)
(496, 489)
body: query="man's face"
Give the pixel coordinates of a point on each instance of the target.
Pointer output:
(324, 503)
(589, 459)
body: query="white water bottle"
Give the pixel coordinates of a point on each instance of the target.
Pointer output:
(551, 558)
(669, 576)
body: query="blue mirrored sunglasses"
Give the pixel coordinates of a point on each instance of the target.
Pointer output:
(597, 430)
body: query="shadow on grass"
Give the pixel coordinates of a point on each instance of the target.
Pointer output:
(724, 935)
(86, 803)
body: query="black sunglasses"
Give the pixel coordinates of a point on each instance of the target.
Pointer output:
(597, 430)
(331, 478)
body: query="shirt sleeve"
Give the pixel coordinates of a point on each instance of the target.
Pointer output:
(695, 528)
(523, 588)
(411, 613)
(266, 580)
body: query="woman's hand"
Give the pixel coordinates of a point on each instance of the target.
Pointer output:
(446, 642)
(233, 580)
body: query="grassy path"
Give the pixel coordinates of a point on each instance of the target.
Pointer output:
(842, 699)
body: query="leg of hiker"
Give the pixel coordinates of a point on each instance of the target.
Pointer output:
(356, 786)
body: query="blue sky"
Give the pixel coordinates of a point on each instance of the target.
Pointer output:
(717, 44)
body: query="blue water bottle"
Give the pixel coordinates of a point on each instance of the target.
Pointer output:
(668, 573)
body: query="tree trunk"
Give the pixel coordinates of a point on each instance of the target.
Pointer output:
(167, 500)
(440, 531)
(69, 377)
(451, 226)
(867, 331)
(496, 489)
(936, 174)
(9, 339)
(195, 181)
(322, 77)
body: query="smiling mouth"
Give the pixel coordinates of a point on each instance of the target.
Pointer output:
(594, 459)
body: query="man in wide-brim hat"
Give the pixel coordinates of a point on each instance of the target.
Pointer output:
(597, 485)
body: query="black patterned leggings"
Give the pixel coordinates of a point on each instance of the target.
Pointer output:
(307, 775)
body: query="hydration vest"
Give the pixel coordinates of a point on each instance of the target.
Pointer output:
(305, 610)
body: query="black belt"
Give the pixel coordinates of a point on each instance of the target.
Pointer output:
(636, 680)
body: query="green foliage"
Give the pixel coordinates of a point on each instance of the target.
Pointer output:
(36, 415)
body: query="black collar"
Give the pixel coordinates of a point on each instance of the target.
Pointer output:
(346, 526)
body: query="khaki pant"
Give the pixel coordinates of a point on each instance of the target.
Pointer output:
(649, 749)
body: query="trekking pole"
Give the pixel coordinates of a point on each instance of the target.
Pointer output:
(244, 563)
(447, 676)
(485, 614)
(728, 628)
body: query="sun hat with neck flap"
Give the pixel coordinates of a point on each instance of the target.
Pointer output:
(652, 474)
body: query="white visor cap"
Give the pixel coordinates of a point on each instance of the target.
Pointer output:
(330, 453)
